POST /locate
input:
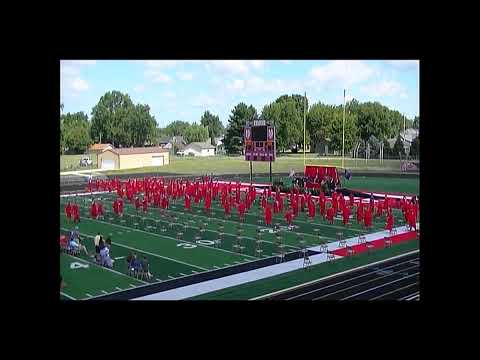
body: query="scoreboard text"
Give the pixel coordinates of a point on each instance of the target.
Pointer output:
(259, 141)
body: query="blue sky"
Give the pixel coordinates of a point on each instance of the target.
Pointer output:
(183, 90)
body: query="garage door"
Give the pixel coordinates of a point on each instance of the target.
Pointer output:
(108, 164)
(157, 160)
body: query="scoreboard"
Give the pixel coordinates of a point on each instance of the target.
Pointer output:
(259, 141)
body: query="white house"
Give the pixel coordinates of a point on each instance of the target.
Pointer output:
(407, 137)
(198, 149)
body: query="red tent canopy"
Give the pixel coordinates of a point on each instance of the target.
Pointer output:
(319, 172)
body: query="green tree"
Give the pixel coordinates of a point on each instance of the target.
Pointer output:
(75, 130)
(213, 124)
(398, 148)
(287, 114)
(236, 124)
(177, 128)
(387, 150)
(416, 122)
(110, 118)
(140, 126)
(415, 147)
(196, 133)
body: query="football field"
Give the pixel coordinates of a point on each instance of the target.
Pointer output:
(185, 245)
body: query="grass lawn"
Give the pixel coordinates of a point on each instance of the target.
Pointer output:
(237, 165)
(72, 162)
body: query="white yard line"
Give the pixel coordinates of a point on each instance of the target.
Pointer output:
(67, 296)
(163, 236)
(146, 252)
(103, 267)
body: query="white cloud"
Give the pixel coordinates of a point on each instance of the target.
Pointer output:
(203, 101)
(342, 72)
(257, 85)
(160, 64)
(235, 67)
(79, 84)
(237, 84)
(67, 70)
(404, 63)
(286, 61)
(139, 88)
(185, 76)
(169, 94)
(257, 64)
(84, 62)
(384, 88)
(157, 76)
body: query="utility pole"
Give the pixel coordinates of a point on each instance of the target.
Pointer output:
(304, 129)
(343, 133)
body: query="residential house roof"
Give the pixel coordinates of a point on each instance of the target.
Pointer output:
(199, 146)
(100, 147)
(139, 150)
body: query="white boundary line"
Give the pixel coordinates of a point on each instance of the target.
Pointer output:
(105, 268)
(378, 287)
(330, 276)
(350, 279)
(393, 291)
(164, 236)
(146, 252)
(67, 296)
(393, 273)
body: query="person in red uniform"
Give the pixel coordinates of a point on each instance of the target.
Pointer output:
(120, 207)
(93, 210)
(99, 209)
(346, 215)
(311, 209)
(289, 216)
(115, 206)
(379, 212)
(389, 224)
(76, 213)
(302, 203)
(368, 218)
(352, 200)
(264, 202)
(330, 214)
(360, 212)
(268, 215)
(241, 211)
(208, 203)
(145, 204)
(68, 211)
(322, 204)
(187, 202)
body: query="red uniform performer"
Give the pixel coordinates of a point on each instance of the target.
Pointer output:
(68, 211)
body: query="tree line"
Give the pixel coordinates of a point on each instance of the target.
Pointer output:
(115, 119)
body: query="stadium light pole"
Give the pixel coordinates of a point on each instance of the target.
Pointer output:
(304, 129)
(343, 133)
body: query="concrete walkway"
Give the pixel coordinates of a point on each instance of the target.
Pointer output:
(79, 172)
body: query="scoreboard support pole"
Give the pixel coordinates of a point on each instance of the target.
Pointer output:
(251, 173)
(270, 170)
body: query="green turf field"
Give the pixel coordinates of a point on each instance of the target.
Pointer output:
(179, 244)
(297, 277)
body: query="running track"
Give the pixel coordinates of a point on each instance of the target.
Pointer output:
(396, 279)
